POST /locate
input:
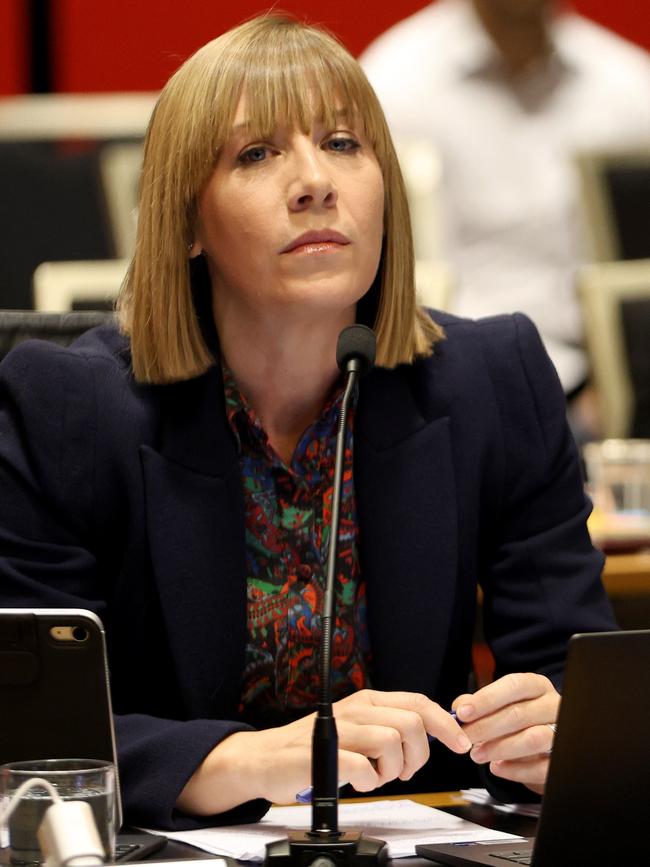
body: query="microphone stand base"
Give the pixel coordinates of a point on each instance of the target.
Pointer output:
(344, 849)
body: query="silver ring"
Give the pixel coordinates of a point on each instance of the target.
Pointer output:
(553, 728)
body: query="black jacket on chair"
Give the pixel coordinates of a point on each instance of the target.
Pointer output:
(126, 499)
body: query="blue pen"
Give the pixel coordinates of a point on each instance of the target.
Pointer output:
(304, 797)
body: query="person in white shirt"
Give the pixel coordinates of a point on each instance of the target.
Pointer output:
(508, 91)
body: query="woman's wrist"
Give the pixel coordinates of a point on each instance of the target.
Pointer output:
(223, 780)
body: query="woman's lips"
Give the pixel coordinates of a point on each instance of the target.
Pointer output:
(313, 248)
(310, 243)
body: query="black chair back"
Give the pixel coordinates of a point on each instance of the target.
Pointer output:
(19, 325)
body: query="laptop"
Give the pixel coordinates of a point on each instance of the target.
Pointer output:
(596, 806)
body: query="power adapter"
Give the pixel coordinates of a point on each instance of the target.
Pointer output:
(68, 836)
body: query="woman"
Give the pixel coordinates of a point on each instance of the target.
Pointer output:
(176, 477)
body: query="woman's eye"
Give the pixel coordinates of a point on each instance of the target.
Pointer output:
(342, 145)
(256, 154)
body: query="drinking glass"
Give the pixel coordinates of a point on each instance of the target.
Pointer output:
(87, 780)
(618, 476)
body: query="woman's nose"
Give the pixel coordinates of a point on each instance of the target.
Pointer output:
(312, 184)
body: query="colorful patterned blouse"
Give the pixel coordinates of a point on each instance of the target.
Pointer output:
(287, 539)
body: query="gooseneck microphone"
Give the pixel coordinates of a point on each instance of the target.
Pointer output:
(355, 355)
(325, 845)
(355, 350)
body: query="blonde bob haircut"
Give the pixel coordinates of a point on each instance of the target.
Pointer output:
(291, 73)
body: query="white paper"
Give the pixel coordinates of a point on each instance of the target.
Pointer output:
(193, 862)
(401, 824)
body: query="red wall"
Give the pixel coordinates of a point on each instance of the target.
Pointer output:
(630, 18)
(13, 43)
(161, 33)
(103, 45)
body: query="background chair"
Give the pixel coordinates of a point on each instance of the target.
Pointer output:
(433, 284)
(421, 169)
(120, 165)
(615, 187)
(422, 172)
(69, 168)
(615, 298)
(89, 285)
(19, 325)
(75, 116)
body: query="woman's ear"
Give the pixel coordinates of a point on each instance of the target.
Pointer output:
(194, 249)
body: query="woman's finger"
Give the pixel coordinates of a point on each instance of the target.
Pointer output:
(381, 743)
(413, 742)
(516, 717)
(507, 690)
(422, 713)
(532, 741)
(357, 770)
(532, 772)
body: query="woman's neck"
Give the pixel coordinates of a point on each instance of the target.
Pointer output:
(286, 370)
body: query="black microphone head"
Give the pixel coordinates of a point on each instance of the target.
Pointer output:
(356, 341)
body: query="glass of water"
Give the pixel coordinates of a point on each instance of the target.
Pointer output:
(87, 780)
(618, 476)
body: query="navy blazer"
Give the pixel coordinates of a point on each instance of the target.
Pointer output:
(126, 499)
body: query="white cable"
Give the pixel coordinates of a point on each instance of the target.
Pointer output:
(68, 834)
(20, 791)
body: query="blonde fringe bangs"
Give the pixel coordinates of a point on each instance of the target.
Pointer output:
(291, 73)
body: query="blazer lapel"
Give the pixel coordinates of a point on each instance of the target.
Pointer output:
(405, 490)
(404, 482)
(195, 520)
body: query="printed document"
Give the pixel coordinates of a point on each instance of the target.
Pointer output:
(401, 824)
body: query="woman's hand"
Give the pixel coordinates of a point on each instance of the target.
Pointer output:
(510, 724)
(382, 736)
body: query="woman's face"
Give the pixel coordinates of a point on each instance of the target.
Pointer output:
(294, 222)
